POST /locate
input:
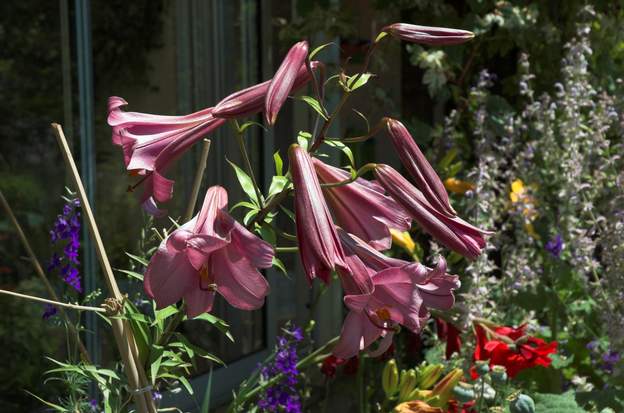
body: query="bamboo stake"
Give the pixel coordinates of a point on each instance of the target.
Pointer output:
(199, 174)
(39, 270)
(121, 328)
(55, 303)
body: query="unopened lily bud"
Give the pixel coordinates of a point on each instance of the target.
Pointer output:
(464, 392)
(522, 404)
(482, 367)
(499, 374)
(429, 375)
(390, 378)
(407, 385)
(416, 406)
(444, 388)
(433, 36)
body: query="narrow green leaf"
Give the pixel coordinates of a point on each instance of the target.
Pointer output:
(242, 128)
(314, 104)
(245, 182)
(250, 215)
(140, 260)
(448, 158)
(277, 184)
(154, 367)
(279, 163)
(288, 212)
(268, 234)
(244, 204)
(365, 119)
(345, 149)
(186, 384)
(47, 403)
(205, 407)
(131, 274)
(380, 36)
(318, 49)
(279, 264)
(303, 139)
(360, 82)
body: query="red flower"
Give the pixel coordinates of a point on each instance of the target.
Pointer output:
(330, 364)
(451, 334)
(455, 407)
(512, 348)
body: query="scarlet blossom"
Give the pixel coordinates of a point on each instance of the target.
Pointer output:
(284, 79)
(361, 207)
(152, 143)
(512, 348)
(417, 165)
(212, 253)
(330, 365)
(433, 36)
(250, 101)
(319, 247)
(456, 407)
(453, 232)
(451, 335)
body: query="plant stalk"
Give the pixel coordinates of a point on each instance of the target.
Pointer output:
(199, 174)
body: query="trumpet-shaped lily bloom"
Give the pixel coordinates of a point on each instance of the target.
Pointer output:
(427, 180)
(151, 143)
(400, 293)
(319, 246)
(251, 100)
(361, 207)
(433, 36)
(212, 253)
(284, 79)
(453, 232)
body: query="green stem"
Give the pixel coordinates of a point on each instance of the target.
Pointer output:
(359, 173)
(172, 326)
(360, 385)
(243, 151)
(286, 249)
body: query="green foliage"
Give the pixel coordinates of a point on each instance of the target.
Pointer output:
(556, 403)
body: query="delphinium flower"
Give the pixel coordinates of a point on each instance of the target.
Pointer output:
(283, 396)
(67, 229)
(49, 311)
(555, 246)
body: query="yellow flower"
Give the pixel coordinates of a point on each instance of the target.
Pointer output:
(416, 406)
(458, 186)
(528, 227)
(517, 191)
(403, 240)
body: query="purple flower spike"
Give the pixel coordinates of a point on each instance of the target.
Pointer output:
(555, 246)
(67, 228)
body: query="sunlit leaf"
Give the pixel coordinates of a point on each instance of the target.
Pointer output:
(245, 182)
(318, 49)
(314, 104)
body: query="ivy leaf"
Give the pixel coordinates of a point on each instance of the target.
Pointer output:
(245, 182)
(314, 104)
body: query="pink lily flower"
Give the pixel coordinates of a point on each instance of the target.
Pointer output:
(319, 246)
(152, 143)
(212, 253)
(361, 207)
(283, 80)
(250, 101)
(400, 293)
(453, 232)
(427, 180)
(433, 36)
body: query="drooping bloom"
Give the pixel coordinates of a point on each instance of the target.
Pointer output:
(211, 253)
(361, 207)
(400, 294)
(284, 79)
(453, 232)
(432, 36)
(319, 246)
(152, 143)
(419, 168)
(512, 348)
(251, 100)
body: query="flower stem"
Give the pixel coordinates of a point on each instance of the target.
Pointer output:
(55, 303)
(286, 249)
(243, 151)
(198, 180)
